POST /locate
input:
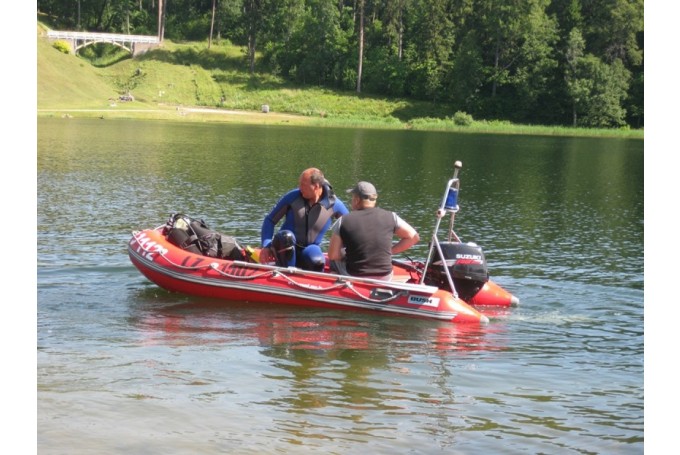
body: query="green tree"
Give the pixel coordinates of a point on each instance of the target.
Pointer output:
(517, 41)
(635, 103)
(253, 14)
(612, 28)
(393, 19)
(610, 85)
(568, 14)
(383, 70)
(467, 75)
(597, 90)
(212, 22)
(360, 27)
(578, 87)
(430, 40)
(258, 23)
(614, 31)
(318, 50)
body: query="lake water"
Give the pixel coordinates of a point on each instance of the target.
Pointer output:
(125, 367)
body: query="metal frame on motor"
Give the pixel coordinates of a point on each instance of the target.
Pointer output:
(449, 205)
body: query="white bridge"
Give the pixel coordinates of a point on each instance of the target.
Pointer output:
(134, 44)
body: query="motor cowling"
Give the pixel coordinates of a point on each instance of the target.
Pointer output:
(466, 265)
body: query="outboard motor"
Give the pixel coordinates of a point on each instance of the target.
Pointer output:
(283, 244)
(466, 265)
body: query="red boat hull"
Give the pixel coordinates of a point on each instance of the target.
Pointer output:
(492, 294)
(181, 271)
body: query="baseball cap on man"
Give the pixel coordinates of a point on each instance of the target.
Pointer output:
(364, 190)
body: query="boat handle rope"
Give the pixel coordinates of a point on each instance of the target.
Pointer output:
(385, 300)
(340, 284)
(215, 266)
(310, 287)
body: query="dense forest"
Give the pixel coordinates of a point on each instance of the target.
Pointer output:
(550, 62)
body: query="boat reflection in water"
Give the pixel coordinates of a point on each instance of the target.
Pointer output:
(213, 321)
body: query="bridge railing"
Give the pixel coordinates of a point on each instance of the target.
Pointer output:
(110, 37)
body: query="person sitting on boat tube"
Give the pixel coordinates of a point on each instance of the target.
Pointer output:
(309, 211)
(366, 236)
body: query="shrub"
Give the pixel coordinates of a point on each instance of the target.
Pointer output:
(62, 46)
(462, 119)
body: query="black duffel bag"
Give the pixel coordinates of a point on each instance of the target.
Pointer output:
(195, 236)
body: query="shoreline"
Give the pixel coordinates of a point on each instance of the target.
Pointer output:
(178, 113)
(206, 114)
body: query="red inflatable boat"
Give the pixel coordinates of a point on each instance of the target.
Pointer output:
(452, 284)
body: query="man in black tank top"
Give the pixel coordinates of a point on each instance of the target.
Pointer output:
(362, 239)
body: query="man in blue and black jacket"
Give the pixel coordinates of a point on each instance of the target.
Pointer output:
(309, 212)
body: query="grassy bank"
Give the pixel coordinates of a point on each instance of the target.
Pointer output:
(189, 82)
